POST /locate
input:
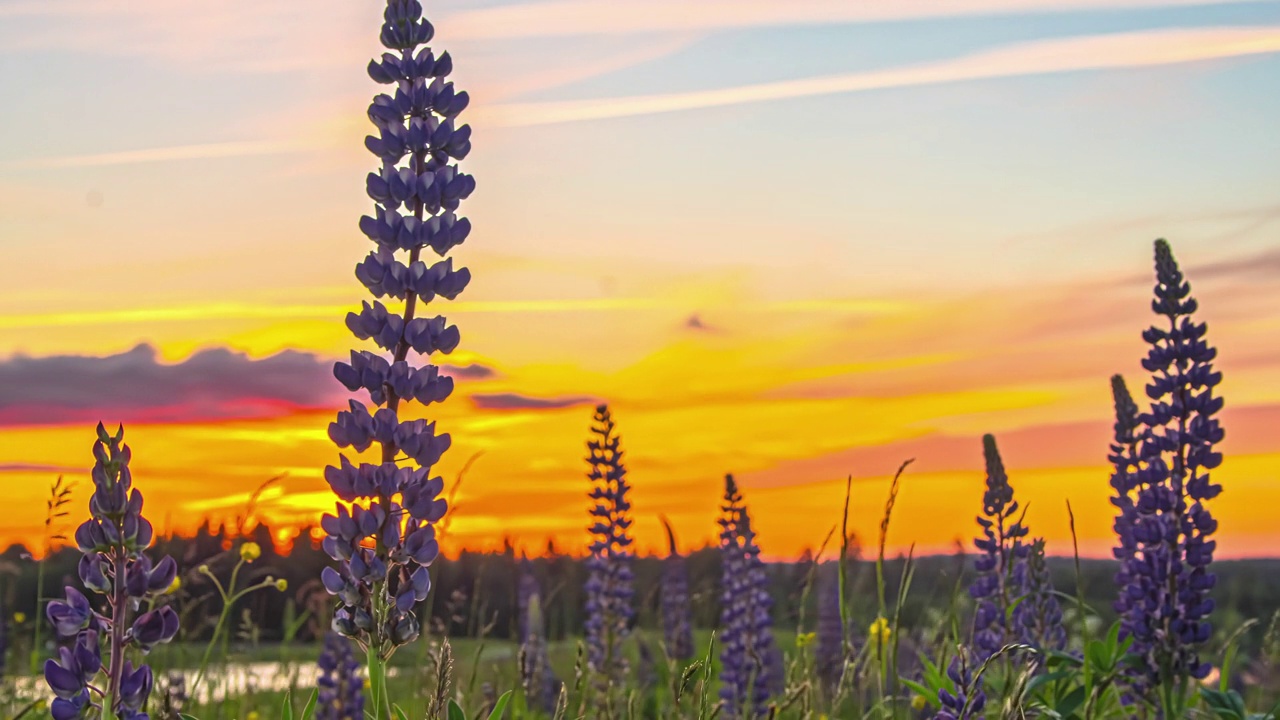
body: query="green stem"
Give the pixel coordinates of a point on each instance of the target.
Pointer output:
(39, 618)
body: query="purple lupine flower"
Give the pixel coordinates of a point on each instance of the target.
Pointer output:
(1038, 617)
(386, 540)
(340, 688)
(1166, 601)
(112, 541)
(677, 612)
(750, 670)
(968, 699)
(1124, 460)
(1000, 566)
(830, 653)
(537, 678)
(609, 585)
(4, 639)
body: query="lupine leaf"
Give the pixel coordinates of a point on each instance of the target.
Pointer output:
(286, 709)
(501, 706)
(310, 708)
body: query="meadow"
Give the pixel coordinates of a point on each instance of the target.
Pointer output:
(364, 617)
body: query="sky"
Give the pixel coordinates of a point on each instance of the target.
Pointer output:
(799, 242)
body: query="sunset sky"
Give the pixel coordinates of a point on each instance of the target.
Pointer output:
(795, 241)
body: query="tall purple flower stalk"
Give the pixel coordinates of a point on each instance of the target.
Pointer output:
(537, 678)
(750, 671)
(830, 653)
(609, 585)
(1001, 564)
(112, 541)
(1166, 601)
(1125, 463)
(386, 540)
(677, 612)
(968, 700)
(1038, 617)
(340, 691)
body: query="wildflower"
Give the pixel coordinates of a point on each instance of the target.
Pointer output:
(383, 533)
(965, 699)
(112, 541)
(804, 640)
(750, 671)
(174, 586)
(340, 689)
(537, 679)
(4, 639)
(1166, 546)
(250, 551)
(19, 617)
(609, 591)
(677, 612)
(830, 655)
(1038, 617)
(918, 702)
(253, 715)
(879, 631)
(1001, 567)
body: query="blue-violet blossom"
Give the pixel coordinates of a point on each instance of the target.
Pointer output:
(1001, 562)
(340, 687)
(383, 534)
(609, 584)
(750, 671)
(677, 612)
(113, 565)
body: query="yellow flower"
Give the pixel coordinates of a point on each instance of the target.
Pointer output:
(19, 617)
(367, 684)
(805, 639)
(282, 584)
(879, 631)
(918, 702)
(250, 551)
(174, 586)
(253, 715)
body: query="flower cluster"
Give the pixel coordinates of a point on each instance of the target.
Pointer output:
(1038, 617)
(1166, 599)
(112, 541)
(677, 612)
(386, 540)
(830, 653)
(340, 691)
(968, 699)
(539, 681)
(1000, 566)
(1125, 463)
(750, 671)
(609, 585)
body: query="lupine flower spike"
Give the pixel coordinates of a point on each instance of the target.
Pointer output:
(830, 653)
(1000, 565)
(539, 681)
(1125, 463)
(340, 691)
(609, 585)
(750, 671)
(383, 534)
(968, 699)
(112, 541)
(677, 613)
(1166, 602)
(1038, 618)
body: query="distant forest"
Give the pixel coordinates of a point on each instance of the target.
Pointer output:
(476, 593)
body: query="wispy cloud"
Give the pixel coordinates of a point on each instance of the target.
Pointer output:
(1092, 52)
(203, 151)
(514, 401)
(623, 17)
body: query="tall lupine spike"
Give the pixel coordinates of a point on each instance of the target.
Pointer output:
(1000, 564)
(750, 670)
(677, 612)
(968, 700)
(1167, 602)
(340, 687)
(1038, 618)
(830, 654)
(609, 585)
(537, 678)
(114, 565)
(383, 535)
(1125, 463)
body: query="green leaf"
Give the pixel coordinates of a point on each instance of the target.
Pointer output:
(286, 710)
(310, 708)
(1045, 679)
(930, 696)
(1070, 703)
(455, 711)
(400, 714)
(501, 706)
(184, 716)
